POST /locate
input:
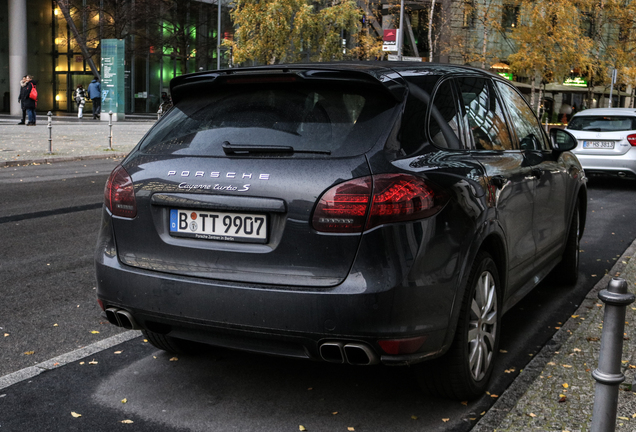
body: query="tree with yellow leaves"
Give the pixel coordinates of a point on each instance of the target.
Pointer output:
(288, 31)
(549, 41)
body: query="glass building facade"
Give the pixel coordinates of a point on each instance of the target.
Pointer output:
(174, 46)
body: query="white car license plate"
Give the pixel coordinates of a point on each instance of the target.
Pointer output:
(598, 144)
(222, 226)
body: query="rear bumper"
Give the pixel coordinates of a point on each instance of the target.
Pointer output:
(622, 166)
(286, 322)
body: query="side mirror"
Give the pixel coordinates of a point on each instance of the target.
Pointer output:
(562, 140)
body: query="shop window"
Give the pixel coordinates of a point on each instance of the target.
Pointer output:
(77, 63)
(61, 63)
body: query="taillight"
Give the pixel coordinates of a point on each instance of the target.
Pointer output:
(396, 198)
(632, 139)
(119, 194)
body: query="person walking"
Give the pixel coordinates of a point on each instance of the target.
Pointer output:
(22, 96)
(95, 94)
(80, 98)
(30, 101)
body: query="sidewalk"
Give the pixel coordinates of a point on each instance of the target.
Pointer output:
(555, 392)
(72, 139)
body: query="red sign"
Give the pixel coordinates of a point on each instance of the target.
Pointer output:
(390, 35)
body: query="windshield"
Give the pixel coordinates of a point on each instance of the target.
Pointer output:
(341, 120)
(603, 123)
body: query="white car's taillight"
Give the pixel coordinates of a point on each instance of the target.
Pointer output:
(632, 139)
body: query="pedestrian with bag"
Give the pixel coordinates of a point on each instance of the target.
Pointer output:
(80, 99)
(95, 94)
(30, 102)
(22, 96)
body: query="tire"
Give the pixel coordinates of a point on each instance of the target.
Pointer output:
(463, 373)
(172, 344)
(567, 272)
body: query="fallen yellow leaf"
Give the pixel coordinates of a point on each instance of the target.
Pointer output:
(127, 421)
(465, 403)
(124, 400)
(335, 412)
(81, 363)
(533, 415)
(74, 414)
(350, 428)
(146, 340)
(503, 351)
(551, 364)
(494, 396)
(633, 415)
(94, 332)
(623, 418)
(413, 417)
(565, 385)
(561, 395)
(576, 350)
(174, 359)
(301, 428)
(6, 334)
(117, 352)
(567, 366)
(575, 316)
(55, 325)
(445, 420)
(29, 352)
(93, 362)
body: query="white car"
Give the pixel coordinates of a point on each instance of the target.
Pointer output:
(606, 141)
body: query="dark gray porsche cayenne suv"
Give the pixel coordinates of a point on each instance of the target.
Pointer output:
(360, 213)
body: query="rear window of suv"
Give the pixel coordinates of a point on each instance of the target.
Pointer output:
(340, 119)
(603, 123)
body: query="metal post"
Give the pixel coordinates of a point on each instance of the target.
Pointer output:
(110, 126)
(50, 114)
(400, 31)
(609, 375)
(218, 35)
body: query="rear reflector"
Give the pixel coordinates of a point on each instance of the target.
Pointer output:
(367, 202)
(402, 346)
(119, 194)
(632, 139)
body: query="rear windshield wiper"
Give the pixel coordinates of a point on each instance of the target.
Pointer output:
(239, 149)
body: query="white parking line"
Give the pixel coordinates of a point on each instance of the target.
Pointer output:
(31, 371)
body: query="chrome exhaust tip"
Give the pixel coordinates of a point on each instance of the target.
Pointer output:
(111, 315)
(332, 352)
(360, 354)
(127, 321)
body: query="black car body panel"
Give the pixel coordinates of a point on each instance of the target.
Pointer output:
(300, 287)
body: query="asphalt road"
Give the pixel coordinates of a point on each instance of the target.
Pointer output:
(48, 225)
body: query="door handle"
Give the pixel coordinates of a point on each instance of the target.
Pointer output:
(537, 172)
(498, 181)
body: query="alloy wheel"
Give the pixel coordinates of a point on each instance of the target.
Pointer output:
(482, 326)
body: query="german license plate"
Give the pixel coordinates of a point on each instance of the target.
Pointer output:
(220, 226)
(598, 144)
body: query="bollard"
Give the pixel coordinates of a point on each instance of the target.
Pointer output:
(50, 114)
(110, 125)
(608, 375)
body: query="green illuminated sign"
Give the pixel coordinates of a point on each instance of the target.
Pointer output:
(506, 75)
(575, 82)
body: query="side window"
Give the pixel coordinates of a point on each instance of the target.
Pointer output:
(526, 124)
(441, 128)
(443, 124)
(485, 116)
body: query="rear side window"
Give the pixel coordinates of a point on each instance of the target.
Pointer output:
(485, 116)
(442, 124)
(336, 119)
(526, 124)
(603, 123)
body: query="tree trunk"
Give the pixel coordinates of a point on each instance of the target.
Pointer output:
(430, 31)
(534, 80)
(484, 48)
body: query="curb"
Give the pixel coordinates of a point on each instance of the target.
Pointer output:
(509, 399)
(49, 160)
